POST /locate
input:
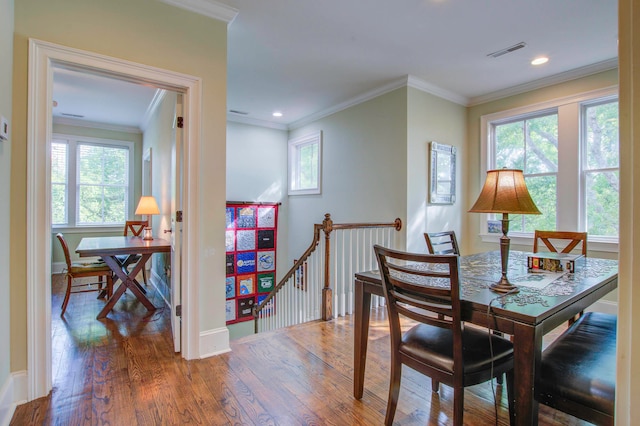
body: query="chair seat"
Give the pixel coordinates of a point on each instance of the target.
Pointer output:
(580, 365)
(436, 344)
(85, 267)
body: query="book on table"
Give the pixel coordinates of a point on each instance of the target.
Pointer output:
(554, 262)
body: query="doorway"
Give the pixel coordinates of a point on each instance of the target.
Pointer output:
(43, 57)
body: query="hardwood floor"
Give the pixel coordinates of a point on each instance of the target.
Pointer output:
(122, 371)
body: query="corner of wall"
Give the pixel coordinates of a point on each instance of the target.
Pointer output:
(12, 393)
(214, 342)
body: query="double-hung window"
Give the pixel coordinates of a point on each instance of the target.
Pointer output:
(90, 181)
(305, 164)
(568, 152)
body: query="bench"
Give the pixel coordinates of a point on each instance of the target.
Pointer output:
(578, 370)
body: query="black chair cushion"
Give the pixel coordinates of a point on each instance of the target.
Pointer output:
(580, 365)
(436, 344)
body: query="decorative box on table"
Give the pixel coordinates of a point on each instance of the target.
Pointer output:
(555, 262)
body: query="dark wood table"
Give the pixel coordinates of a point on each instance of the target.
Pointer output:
(527, 315)
(108, 248)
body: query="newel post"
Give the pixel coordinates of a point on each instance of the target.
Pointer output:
(327, 293)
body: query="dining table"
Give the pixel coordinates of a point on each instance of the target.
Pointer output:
(118, 253)
(543, 302)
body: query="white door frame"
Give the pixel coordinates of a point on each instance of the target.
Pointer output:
(42, 57)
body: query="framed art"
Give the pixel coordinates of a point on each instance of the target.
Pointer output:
(442, 174)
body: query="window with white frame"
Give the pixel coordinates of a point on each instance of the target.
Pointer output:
(568, 151)
(305, 164)
(90, 181)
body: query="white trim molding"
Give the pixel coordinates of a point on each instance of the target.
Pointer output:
(214, 342)
(12, 393)
(43, 56)
(210, 8)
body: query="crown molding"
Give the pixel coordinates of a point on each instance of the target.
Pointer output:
(406, 81)
(427, 87)
(395, 84)
(95, 125)
(547, 81)
(256, 122)
(153, 105)
(210, 8)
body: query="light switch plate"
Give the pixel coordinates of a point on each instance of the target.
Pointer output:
(4, 129)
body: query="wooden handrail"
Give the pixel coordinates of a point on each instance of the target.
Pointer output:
(327, 226)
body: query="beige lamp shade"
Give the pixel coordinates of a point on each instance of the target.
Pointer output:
(505, 191)
(147, 205)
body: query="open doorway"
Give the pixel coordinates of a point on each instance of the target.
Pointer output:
(45, 57)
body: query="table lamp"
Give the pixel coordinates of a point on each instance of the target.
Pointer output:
(147, 206)
(505, 192)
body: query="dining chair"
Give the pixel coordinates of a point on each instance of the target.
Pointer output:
(442, 242)
(135, 228)
(425, 288)
(572, 239)
(577, 372)
(81, 270)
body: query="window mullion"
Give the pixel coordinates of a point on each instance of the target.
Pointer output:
(568, 212)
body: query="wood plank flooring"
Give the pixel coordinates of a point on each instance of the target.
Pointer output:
(122, 371)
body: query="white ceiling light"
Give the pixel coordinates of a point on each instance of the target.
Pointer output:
(277, 114)
(540, 60)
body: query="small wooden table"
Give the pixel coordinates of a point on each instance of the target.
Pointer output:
(108, 248)
(527, 315)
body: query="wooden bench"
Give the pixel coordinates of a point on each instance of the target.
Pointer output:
(578, 370)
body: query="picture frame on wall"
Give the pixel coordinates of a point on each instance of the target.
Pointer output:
(442, 173)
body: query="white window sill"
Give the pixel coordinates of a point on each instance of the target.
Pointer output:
(526, 240)
(87, 229)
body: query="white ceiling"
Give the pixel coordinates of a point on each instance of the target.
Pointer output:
(306, 58)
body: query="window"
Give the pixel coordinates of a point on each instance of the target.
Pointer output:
(90, 181)
(568, 152)
(305, 164)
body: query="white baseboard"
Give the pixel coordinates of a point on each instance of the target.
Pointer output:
(214, 342)
(12, 394)
(58, 267)
(605, 306)
(154, 278)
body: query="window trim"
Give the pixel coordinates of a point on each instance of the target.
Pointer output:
(294, 146)
(598, 243)
(72, 141)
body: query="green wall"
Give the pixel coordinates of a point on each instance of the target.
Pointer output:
(6, 250)
(151, 33)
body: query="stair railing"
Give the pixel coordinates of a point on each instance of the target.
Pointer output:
(305, 293)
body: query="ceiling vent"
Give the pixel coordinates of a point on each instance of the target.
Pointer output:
(509, 49)
(66, 114)
(235, 111)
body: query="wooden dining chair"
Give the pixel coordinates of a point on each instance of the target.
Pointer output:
(135, 228)
(426, 289)
(572, 239)
(84, 269)
(442, 242)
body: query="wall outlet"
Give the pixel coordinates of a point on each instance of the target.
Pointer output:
(4, 129)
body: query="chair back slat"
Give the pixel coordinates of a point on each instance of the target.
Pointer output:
(573, 238)
(135, 227)
(422, 287)
(442, 242)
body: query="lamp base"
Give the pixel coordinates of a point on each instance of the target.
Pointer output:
(504, 286)
(146, 234)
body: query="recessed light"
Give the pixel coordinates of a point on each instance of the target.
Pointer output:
(540, 60)
(277, 114)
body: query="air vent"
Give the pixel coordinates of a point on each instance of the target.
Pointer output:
(66, 114)
(235, 111)
(508, 50)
